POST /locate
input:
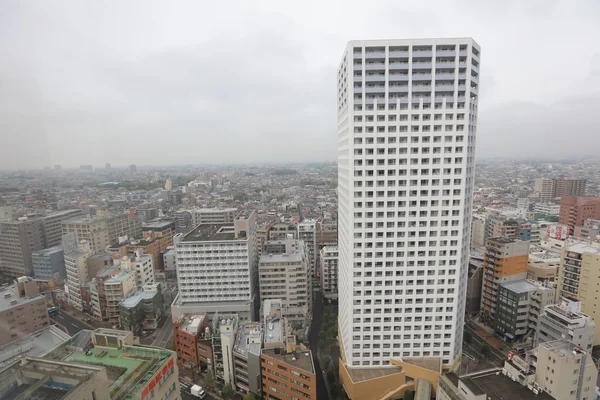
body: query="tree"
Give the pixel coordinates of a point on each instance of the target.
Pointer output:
(250, 396)
(410, 395)
(485, 349)
(227, 391)
(209, 378)
(330, 375)
(468, 337)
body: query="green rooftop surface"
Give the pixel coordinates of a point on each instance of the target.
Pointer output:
(119, 360)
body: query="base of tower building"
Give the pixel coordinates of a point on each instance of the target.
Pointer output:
(391, 381)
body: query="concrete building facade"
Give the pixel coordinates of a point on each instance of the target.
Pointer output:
(566, 321)
(575, 210)
(49, 264)
(328, 273)
(405, 183)
(307, 232)
(18, 240)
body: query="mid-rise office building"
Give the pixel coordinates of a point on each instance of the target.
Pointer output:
(407, 112)
(307, 232)
(575, 210)
(217, 269)
(18, 240)
(22, 310)
(505, 260)
(103, 229)
(246, 358)
(143, 309)
(566, 321)
(329, 272)
(143, 267)
(49, 264)
(519, 306)
(284, 274)
(213, 215)
(578, 277)
(53, 225)
(281, 230)
(108, 289)
(193, 341)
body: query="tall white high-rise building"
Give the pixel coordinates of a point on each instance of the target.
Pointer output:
(407, 116)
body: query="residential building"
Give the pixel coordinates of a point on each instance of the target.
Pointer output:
(262, 236)
(474, 285)
(566, 321)
(143, 309)
(213, 215)
(183, 221)
(103, 229)
(578, 277)
(53, 225)
(217, 269)
(421, 234)
(489, 385)
(505, 260)
(77, 273)
(22, 310)
(108, 289)
(170, 264)
(543, 189)
(146, 213)
(327, 235)
(135, 371)
(284, 274)
(281, 230)
(498, 225)
(519, 306)
(18, 240)
(478, 231)
(193, 340)
(549, 189)
(547, 209)
(223, 340)
(246, 358)
(575, 210)
(143, 266)
(329, 271)
(307, 232)
(49, 264)
(287, 367)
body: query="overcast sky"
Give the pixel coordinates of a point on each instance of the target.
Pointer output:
(174, 82)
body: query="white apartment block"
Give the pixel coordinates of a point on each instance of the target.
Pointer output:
(307, 232)
(566, 321)
(329, 272)
(77, 273)
(547, 208)
(284, 274)
(143, 266)
(216, 269)
(213, 215)
(407, 116)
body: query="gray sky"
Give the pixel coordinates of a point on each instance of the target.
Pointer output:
(174, 82)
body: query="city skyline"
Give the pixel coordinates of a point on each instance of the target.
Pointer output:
(88, 85)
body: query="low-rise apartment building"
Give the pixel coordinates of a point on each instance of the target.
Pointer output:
(246, 358)
(329, 271)
(143, 309)
(193, 340)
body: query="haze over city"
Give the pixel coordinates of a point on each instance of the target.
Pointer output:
(190, 82)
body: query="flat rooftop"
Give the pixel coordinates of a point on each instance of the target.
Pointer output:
(9, 294)
(119, 275)
(365, 374)
(47, 252)
(193, 323)
(561, 347)
(35, 344)
(581, 248)
(520, 286)
(211, 232)
(249, 339)
(301, 359)
(158, 225)
(129, 363)
(139, 295)
(500, 387)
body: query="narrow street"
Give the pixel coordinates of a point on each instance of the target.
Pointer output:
(317, 321)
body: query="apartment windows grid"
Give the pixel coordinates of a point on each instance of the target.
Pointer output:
(407, 113)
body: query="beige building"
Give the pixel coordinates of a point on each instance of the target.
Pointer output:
(18, 240)
(548, 189)
(478, 231)
(22, 310)
(77, 273)
(213, 215)
(578, 278)
(328, 271)
(103, 229)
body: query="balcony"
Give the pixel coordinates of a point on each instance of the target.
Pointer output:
(398, 53)
(375, 55)
(375, 89)
(375, 78)
(444, 88)
(357, 55)
(375, 66)
(421, 65)
(398, 65)
(398, 77)
(421, 77)
(398, 89)
(358, 78)
(421, 88)
(422, 53)
(445, 53)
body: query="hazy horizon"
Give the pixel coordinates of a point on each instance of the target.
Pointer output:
(187, 83)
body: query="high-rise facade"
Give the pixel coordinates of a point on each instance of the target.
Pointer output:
(307, 232)
(407, 116)
(548, 189)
